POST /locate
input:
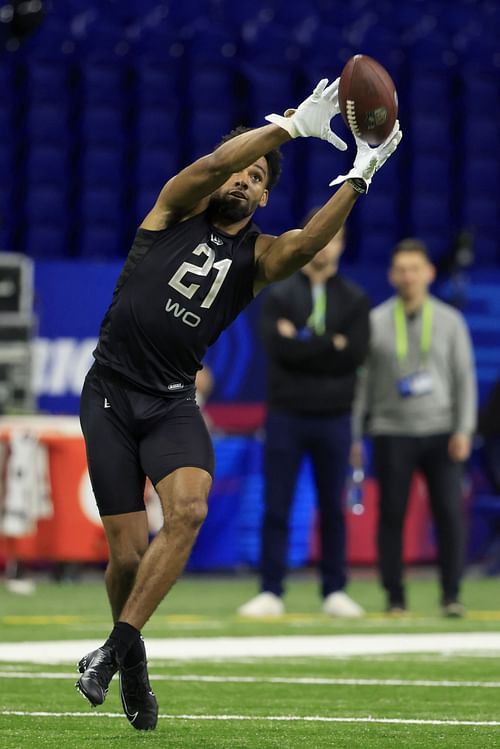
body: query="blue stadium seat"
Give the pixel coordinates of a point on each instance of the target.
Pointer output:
(48, 123)
(162, 45)
(52, 39)
(486, 248)
(46, 241)
(481, 56)
(6, 164)
(477, 172)
(316, 196)
(430, 51)
(481, 136)
(238, 15)
(270, 89)
(383, 44)
(430, 92)
(207, 128)
(430, 133)
(102, 166)
(480, 94)
(278, 216)
(154, 166)
(322, 163)
(211, 43)
(101, 242)
(211, 86)
(430, 210)
(437, 240)
(47, 164)
(102, 83)
(375, 247)
(5, 201)
(101, 38)
(47, 80)
(156, 83)
(7, 83)
(46, 203)
(327, 52)
(268, 45)
(102, 205)
(481, 210)
(145, 198)
(158, 126)
(379, 213)
(103, 125)
(430, 172)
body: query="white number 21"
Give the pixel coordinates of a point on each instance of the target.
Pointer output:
(221, 266)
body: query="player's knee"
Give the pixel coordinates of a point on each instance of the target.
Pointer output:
(190, 510)
(126, 561)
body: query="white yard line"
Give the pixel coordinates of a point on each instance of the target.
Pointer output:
(299, 681)
(219, 648)
(276, 718)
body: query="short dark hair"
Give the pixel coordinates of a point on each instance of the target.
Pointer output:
(273, 158)
(411, 244)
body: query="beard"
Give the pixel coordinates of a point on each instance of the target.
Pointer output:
(228, 209)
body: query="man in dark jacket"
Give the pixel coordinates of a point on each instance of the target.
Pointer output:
(315, 328)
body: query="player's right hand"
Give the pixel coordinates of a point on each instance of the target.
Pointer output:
(312, 117)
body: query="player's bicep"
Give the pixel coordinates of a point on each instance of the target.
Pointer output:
(279, 257)
(184, 192)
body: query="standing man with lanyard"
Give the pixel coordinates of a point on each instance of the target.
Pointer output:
(417, 395)
(315, 328)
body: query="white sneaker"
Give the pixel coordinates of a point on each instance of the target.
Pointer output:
(339, 604)
(23, 586)
(265, 604)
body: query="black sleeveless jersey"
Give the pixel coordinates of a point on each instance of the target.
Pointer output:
(178, 290)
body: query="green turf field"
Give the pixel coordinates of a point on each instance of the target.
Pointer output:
(403, 701)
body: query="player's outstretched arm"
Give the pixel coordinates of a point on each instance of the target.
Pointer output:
(187, 193)
(279, 257)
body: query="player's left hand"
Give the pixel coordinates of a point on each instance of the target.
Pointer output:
(312, 117)
(369, 160)
(459, 447)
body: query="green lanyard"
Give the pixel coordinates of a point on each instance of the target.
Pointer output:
(402, 333)
(316, 320)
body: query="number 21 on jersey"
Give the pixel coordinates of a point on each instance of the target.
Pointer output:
(189, 289)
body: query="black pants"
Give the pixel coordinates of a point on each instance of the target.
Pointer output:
(395, 460)
(289, 438)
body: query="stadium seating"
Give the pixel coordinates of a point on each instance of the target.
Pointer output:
(102, 165)
(101, 84)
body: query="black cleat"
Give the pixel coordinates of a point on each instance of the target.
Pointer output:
(97, 669)
(138, 699)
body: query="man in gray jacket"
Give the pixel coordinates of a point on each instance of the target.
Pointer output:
(417, 396)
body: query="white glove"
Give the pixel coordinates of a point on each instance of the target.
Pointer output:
(312, 117)
(369, 160)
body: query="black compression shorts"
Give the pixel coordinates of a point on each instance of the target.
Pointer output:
(130, 434)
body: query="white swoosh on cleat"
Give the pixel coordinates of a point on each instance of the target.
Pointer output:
(130, 716)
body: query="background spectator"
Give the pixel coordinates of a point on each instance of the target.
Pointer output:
(315, 330)
(418, 392)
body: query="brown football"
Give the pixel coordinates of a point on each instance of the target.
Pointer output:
(368, 99)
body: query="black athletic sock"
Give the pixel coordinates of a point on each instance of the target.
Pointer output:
(122, 639)
(136, 654)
